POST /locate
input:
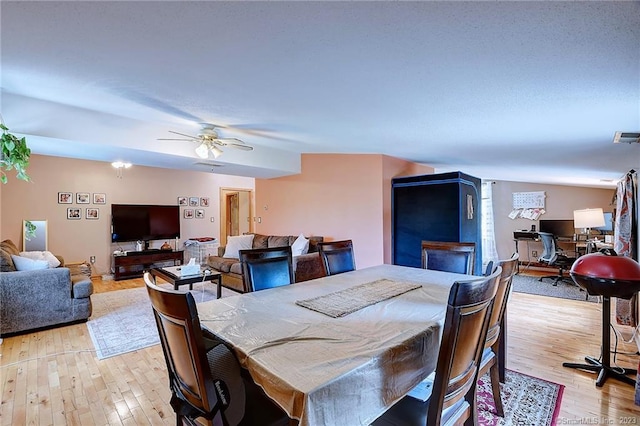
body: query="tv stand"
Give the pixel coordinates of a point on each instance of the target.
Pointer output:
(134, 263)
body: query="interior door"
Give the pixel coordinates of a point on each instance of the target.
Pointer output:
(233, 214)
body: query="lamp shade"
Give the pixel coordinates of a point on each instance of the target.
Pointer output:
(588, 218)
(607, 275)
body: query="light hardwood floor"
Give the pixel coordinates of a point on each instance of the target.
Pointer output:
(53, 377)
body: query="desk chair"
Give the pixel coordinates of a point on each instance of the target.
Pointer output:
(554, 256)
(266, 268)
(337, 256)
(449, 256)
(493, 356)
(206, 380)
(450, 397)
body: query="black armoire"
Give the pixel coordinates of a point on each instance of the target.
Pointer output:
(439, 207)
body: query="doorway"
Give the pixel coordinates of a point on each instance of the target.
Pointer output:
(236, 211)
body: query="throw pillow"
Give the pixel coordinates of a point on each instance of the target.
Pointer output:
(237, 243)
(300, 246)
(42, 255)
(26, 264)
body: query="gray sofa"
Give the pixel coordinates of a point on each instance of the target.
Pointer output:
(42, 298)
(306, 267)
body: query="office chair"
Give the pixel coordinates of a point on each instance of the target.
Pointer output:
(452, 389)
(205, 377)
(554, 256)
(337, 256)
(266, 268)
(449, 256)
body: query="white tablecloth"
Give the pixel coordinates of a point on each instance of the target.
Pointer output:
(336, 371)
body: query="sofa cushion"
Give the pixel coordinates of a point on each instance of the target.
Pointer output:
(237, 243)
(7, 248)
(82, 286)
(236, 268)
(26, 264)
(260, 241)
(47, 256)
(277, 241)
(220, 263)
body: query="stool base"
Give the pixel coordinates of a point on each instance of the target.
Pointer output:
(604, 371)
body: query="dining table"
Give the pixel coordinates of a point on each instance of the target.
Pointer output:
(342, 349)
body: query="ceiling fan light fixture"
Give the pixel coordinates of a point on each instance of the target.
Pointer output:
(217, 152)
(203, 151)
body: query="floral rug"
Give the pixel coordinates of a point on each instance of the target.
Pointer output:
(526, 400)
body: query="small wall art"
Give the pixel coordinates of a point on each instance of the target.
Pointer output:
(188, 213)
(99, 198)
(73, 213)
(92, 213)
(65, 197)
(183, 201)
(83, 198)
(199, 213)
(204, 201)
(193, 201)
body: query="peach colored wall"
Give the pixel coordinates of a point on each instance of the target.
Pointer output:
(338, 196)
(76, 240)
(560, 202)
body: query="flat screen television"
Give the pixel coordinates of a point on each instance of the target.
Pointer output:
(559, 228)
(138, 222)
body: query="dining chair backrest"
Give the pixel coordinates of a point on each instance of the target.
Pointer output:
(192, 386)
(337, 256)
(449, 256)
(266, 268)
(509, 268)
(465, 329)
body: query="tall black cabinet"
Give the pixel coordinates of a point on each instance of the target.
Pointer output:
(439, 207)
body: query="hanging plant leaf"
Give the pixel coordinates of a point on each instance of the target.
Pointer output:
(14, 155)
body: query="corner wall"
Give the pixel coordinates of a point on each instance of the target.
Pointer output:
(76, 240)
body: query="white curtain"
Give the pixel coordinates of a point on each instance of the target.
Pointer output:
(489, 252)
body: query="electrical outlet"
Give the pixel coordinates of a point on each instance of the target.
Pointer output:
(92, 259)
(534, 253)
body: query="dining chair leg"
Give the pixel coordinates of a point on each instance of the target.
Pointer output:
(495, 389)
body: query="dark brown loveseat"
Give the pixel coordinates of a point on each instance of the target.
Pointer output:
(306, 266)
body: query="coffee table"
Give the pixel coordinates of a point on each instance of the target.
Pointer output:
(171, 275)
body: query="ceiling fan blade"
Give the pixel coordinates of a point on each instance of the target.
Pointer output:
(238, 146)
(182, 134)
(188, 140)
(234, 143)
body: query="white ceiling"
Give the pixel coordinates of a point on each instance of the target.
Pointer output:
(523, 91)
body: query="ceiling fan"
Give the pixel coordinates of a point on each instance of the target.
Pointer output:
(210, 141)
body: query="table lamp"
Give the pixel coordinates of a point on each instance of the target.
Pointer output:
(587, 219)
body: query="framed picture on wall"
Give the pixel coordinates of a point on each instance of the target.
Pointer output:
(188, 213)
(199, 213)
(65, 197)
(73, 213)
(183, 201)
(99, 198)
(92, 213)
(193, 201)
(83, 198)
(204, 201)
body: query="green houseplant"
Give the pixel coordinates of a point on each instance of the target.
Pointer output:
(14, 155)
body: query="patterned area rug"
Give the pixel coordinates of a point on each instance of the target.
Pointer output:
(526, 400)
(122, 321)
(564, 290)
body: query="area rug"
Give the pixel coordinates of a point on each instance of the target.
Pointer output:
(531, 285)
(526, 400)
(122, 321)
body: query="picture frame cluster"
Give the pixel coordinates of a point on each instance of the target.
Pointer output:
(75, 213)
(191, 213)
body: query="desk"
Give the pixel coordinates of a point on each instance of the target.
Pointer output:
(336, 371)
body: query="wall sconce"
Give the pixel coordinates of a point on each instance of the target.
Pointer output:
(119, 166)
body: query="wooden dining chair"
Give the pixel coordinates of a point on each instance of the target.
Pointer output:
(450, 397)
(337, 256)
(205, 377)
(492, 357)
(266, 268)
(449, 256)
